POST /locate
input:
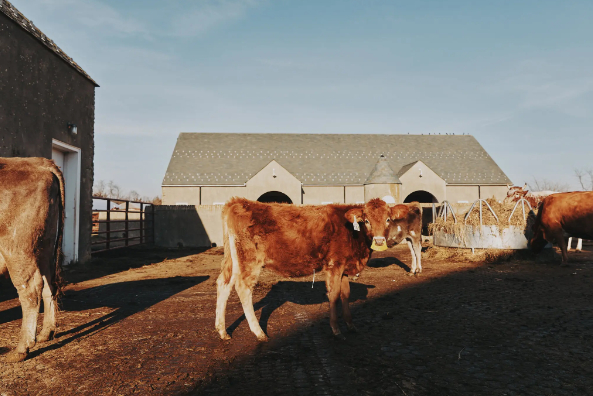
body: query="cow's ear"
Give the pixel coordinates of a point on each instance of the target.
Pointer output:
(525, 187)
(508, 186)
(353, 214)
(399, 212)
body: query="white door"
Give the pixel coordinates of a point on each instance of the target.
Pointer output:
(67, 158)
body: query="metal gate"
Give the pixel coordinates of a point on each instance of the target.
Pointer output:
(122, 223)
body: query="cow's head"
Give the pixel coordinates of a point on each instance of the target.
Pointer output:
(373, 219)
(515, 193)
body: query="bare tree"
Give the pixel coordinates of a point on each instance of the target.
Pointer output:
(548, 185)
(134, 196)
(113, 190)
(99, 189)
(156, 200)
(583, 175)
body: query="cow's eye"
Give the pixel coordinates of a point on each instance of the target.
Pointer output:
(388, 220)
(367, 221)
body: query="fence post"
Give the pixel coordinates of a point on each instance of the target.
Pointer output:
(141, 223)
(108, 223)
(153, 219)
(127, 228)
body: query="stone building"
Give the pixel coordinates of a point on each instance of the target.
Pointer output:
(47, 109)
(210, 168)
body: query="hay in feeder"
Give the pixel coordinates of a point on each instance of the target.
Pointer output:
(503, 212)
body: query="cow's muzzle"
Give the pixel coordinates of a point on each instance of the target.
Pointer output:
(379, 243)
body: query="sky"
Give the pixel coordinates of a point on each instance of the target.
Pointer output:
(517, 75)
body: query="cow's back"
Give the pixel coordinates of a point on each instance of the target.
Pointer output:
(572, 211)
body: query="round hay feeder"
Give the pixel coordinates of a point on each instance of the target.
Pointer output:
(485, 229)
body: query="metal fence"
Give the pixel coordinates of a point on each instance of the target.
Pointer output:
(120, 223)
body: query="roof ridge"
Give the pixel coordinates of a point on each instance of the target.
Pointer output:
(13, 13)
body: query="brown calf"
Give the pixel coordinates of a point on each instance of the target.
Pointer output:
(296, 241)
(31, 225)
(570, 213)
(406, 223)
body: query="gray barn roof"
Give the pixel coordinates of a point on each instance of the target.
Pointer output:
(13, 13)
(325, 159)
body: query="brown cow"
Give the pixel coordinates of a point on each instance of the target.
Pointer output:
(297, 241)
(31, 227)
(570, 213)
(406, 223)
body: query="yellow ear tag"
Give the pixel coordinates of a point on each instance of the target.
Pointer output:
(379, 248)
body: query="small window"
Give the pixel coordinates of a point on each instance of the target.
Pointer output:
(218, 203)
(181, 203)
(326, 203)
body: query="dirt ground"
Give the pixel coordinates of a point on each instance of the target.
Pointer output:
(142, 322)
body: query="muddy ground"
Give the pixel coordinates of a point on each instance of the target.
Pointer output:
(141, 322)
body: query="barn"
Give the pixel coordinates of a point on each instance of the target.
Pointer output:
(210, 168)
(47, 109)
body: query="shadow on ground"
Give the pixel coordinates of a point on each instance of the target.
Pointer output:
(512, 328)
(126, 298)
(301, 293)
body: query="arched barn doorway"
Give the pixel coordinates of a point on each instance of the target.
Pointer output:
(421, 196)
(274, 196)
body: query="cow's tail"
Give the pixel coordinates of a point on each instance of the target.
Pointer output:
(227, 261)
(58, 254)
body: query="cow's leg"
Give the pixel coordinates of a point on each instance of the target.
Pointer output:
(223, 290)
(418, 252)
(224, 283)
(49, 312)
(333, 283)
(244, 286)
(569, 244)
(579, 245)
(413, 254)
(563, 248)
(345, 296)
(29, 296)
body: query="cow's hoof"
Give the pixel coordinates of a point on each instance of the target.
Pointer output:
(15, 357)
(45, 336)
(262, 338)
(339, 337)
(352, 328)
(225, 336)
(411, 273)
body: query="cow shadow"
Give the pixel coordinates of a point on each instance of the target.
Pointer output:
(126, 298)
(383, 262)
(300, 293)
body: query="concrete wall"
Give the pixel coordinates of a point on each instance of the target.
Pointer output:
(315, 195)
(217, 195)
(462, 193)
(430, 182)
(354, 194)
(39, 95)
(498, 192)
(188, 226)
(176, 195)
(381, 191)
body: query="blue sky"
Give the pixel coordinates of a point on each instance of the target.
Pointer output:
(515, 74)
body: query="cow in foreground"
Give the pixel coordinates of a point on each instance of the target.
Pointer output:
(570, 213)
(297, 241)
(31, 227)
(406, 223)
